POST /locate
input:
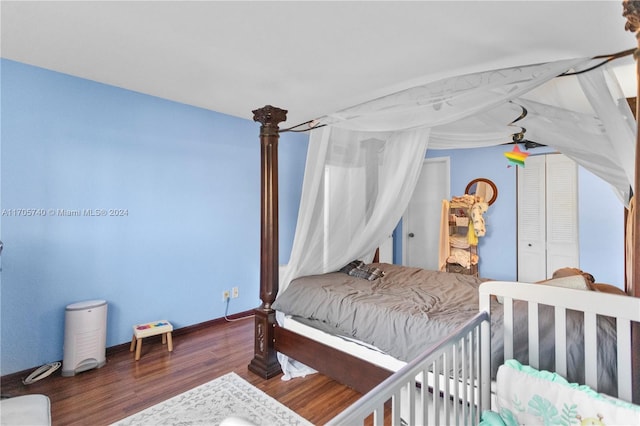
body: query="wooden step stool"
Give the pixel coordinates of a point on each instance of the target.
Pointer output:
(140, 331)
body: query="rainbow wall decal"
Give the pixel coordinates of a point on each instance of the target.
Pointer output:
(516, 157)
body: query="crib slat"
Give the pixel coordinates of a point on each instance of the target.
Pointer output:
(436, 390)
(464, 350)
(412, 402)
(484, 393)
(561, 340)
(445, 388)
(424, 397)
(484, 398)
(508, 328)
(455, 391)
(591, 350)
(534, 352)
(378, 416)
(623, 333)
(396, 410)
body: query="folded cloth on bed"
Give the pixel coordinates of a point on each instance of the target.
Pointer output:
(357, 268)
(351, 266)
(525, 395)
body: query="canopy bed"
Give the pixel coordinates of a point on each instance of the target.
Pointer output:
(365, 160)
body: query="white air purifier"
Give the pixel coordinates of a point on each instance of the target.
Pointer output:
(85, 336)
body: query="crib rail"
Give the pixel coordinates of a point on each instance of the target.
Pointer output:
(441, 385)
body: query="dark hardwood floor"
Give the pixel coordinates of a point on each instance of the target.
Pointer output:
(123, 386)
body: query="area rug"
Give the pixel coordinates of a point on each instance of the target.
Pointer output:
(211, 403)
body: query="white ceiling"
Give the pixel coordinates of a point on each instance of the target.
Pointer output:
(312, 58)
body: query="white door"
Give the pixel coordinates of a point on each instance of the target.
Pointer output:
(385, 253)
(421, 221)
(547, 216)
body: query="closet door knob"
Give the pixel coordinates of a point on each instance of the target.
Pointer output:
(411, 235)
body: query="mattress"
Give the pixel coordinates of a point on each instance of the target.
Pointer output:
(353, 347)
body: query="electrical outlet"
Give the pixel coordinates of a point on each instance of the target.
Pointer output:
(225, 295)
(234, 292)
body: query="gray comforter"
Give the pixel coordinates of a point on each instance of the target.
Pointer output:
(403, 313)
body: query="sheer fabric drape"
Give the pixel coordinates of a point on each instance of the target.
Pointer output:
(356, 187)
(602, 142)
(362, 167)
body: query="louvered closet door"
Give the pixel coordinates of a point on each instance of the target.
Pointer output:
(547, 216)
(562, 213)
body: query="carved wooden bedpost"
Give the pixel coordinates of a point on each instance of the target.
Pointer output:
(265, 362)
(632, 13)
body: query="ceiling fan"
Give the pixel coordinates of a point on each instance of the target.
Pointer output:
(518, 138)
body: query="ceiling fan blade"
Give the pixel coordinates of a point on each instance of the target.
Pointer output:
(531, 144)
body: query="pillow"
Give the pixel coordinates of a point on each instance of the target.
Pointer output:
(577, 282)
(540, 397)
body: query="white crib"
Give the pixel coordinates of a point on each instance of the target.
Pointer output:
(460, 395)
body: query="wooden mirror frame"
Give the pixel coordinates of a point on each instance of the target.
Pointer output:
(488, 182)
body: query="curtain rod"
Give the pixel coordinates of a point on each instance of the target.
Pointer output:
(608, 59)
(295, 128)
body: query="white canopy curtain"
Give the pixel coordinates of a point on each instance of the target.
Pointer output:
(356, 187)
(602, 141)
(362, 167)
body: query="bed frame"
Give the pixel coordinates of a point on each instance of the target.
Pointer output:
(270, 339)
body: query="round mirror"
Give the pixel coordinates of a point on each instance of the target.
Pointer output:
(483, 188)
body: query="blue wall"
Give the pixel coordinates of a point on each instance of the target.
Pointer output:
(187, 179)
(600, 215)
(601, 221)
